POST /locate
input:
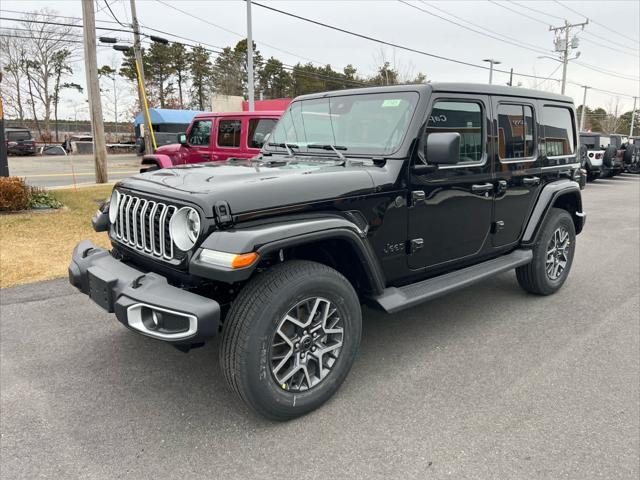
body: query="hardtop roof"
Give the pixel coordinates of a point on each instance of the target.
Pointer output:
(452, 87)
(256, 113)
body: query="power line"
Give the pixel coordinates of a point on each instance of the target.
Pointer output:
(237, 34)
(557, 17)
(113, 14)
(606, 72)
(479, 32)
(609, 29)
(384, 42)
(537, 47)
(519, 13)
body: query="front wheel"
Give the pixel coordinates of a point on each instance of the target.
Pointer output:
(552, 255)
(290, 338)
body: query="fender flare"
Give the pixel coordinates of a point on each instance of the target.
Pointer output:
(548, 196)
(162, 161)
(269, 238)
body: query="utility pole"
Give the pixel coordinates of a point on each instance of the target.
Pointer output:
(563, 45)
(584, 107)
(4, 161)
(93, 88)
(492, 62)
(148, 145)
(249, 58)
(633, 116)
(511, 78)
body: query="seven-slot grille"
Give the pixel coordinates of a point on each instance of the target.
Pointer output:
(144, 225)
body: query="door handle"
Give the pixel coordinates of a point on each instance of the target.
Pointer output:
(531, 180)
(482, 188)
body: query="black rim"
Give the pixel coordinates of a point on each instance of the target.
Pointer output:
(558, 253)
(306, 345)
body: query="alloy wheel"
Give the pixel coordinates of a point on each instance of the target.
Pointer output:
(306, 344)
(557, 253)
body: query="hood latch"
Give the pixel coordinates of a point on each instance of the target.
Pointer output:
(223, 213)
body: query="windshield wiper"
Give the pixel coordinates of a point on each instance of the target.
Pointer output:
(335, 148)
(288, 146)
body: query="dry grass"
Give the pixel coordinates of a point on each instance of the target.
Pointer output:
(38, 246)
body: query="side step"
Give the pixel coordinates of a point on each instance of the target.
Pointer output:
(395, 299)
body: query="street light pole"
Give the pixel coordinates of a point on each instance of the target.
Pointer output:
(492, 62)
(249, 58)
(148, 145)
(584, 107)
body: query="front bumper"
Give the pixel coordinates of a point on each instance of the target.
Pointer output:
(144, 302)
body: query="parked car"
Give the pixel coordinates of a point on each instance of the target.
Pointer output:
(619, 142)
(19, 141)
(592, 149)
(214, 137)
(391, 196)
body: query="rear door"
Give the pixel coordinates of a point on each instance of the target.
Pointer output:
(229, 133)
(450, 216)
(199, 140)
(518, 167)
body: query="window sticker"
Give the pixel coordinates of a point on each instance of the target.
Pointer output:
(391, 102)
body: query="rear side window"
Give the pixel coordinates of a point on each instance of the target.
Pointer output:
(515, 131)
(462, 117)
(559, 131)
(200, 133)
(259, 128)
(229, 133)
(18, 136)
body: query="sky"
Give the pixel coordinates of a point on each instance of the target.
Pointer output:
(609, 43)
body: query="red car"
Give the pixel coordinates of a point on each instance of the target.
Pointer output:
(213, 137)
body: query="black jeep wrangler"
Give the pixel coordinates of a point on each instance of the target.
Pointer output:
(388, 196)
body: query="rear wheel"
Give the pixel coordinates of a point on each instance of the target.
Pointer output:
(552, 255)
(290, 338)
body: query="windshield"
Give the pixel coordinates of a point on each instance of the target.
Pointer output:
(373, 124)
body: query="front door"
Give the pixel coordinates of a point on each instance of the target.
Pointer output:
(199, 142)
(451, 208)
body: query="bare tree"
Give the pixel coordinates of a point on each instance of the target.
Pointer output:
(12, 57)
(44, 66)
(611, 120)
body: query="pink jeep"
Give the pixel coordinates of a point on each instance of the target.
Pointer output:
(214, 137)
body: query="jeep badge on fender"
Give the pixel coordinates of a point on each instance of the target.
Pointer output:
(388, 195)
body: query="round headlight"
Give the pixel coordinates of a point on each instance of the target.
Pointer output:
(185, 228)
(113, 206)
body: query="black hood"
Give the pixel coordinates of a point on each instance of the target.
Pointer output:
(249, 186)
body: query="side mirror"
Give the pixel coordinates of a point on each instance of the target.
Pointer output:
(182, 139)
(443, 148)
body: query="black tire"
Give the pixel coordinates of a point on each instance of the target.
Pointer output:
(609, 154)
(250, 329)
(533, 277)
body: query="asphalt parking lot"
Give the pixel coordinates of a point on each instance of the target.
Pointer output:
(486, 383)
(57, 171)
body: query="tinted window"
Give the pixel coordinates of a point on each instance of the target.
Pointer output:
(363, 124)
(200, 133)
(259, 128)
(515, 131)
(229, 133)
(17, 136)
(558, 131)
(462, 117)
